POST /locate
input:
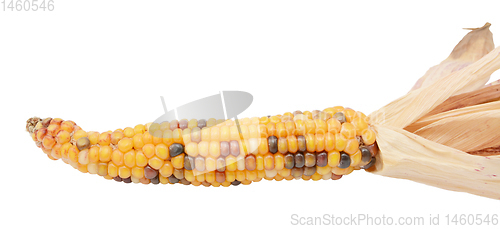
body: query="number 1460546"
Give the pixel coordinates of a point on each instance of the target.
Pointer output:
(27, 5)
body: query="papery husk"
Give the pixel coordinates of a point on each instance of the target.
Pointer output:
(408, 156)
(417, 103)
(471, 48)
(466, 132)
(427, 120)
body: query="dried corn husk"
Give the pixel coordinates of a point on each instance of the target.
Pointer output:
(471, 48)
(409, 156)
(436, 152)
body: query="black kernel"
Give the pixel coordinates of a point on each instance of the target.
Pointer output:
(370, 164)
(345, 160)
(299, 160)
(273, 144)
(172, 179)
(155, 180)
(176, 149)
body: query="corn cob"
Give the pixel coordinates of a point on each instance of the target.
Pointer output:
(300, 145)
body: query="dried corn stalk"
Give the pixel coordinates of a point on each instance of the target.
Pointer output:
(449, 142)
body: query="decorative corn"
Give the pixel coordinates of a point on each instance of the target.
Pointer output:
(300, 145)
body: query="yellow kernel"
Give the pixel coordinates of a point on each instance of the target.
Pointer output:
(164, 126)
(271, 129)
(285, 172)
(188, 175)
(339, 171)
(128, 132)
(178, 161)
(240, 175)
(329, 141)
(360, 125)
(253, 131)
(225, 134)
(137, 141)
(63, 137)
(105, 153)
(333, 158)
(356, 158)
(231, 163)
(117, 157)
(334, 125)
(263, 146)
(83, 157)
(210, 177)
(192, 123)
(149, 150)
(281, 130)
(368, 136)
(279, 161)
(94, 154)
(259, 162)
(320, 142)
(140, 159)
(82, 168)
(310, 126)
(323, 170)
(321, 126)
(234, 134)
(214, 149)
(79, 134)
(340, 142)
(139, 129)
(153, 127)
(93, 137)
(147, 138)
(186, 136)
(210, 164)
(177, 136)
(311, 143)
(264, 120)
(112, 170)
(244, 133)
(104, 139)
(211, 122)
(300, 127)
(230, 176)
(167, 169)
(349, 114)
(192, 149)
(125, 144)
(138, 172)
(348, 130)
(124, 172)
(161, 151)
(351, 146)
(116, 137)
(102, 169)
(129, 158)
(156, 162)
(268, 161)
(167, 137)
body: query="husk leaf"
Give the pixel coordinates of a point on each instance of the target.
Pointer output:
(471, 48)
(417, 103)
(409, 156)
(427, 120)
(466, 132)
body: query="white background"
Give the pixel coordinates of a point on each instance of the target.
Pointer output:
(105, 64)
